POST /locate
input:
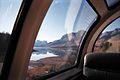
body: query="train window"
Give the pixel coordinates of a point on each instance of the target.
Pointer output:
(109, 39)
(56, 45)
(8, 13)
(111, 3)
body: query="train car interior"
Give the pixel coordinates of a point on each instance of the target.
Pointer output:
(59, 39)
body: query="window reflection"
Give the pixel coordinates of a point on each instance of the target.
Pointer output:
(56, 45)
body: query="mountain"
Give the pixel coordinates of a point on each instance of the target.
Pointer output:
(65, 56)
(109, 41)
(109, 34)
(40, 43)
(68, 40)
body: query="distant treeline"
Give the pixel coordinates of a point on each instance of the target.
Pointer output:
(4, 40)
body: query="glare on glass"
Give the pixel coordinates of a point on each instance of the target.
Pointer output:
(56, 45)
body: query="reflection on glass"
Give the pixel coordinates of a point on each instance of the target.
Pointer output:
(56, 46)
(8, 13)
(109, 40)
(112, 2)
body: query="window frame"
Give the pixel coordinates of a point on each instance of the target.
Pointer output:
(80, 59)
(30, 18)
(112, 7)
(16, 36)
(103, 30)
(99, 24)
(80, 49)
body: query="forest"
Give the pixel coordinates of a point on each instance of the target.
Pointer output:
(4, 41)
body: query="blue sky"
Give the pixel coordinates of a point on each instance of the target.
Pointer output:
(8, 13)
(53, 24)
(66, 16)
(115, 24)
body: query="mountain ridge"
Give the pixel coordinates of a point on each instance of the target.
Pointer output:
(67, 40)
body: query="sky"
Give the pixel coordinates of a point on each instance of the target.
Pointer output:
(66, 16)
(53, 24)
(8, 13)
(63, 16)
(115, 24)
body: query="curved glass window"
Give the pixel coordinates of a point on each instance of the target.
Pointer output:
(56, 45)
(8, 13)
(109, 39)
(111, 3)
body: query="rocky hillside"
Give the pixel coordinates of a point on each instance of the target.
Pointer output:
(66, 57)
(109, 34)
(67, 40)
(108, 41)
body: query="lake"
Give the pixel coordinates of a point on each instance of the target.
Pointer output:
(37, 56)
(45, 52)
(42, 52)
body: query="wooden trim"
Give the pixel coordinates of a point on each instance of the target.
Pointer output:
(99, 28)
(27, 37)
